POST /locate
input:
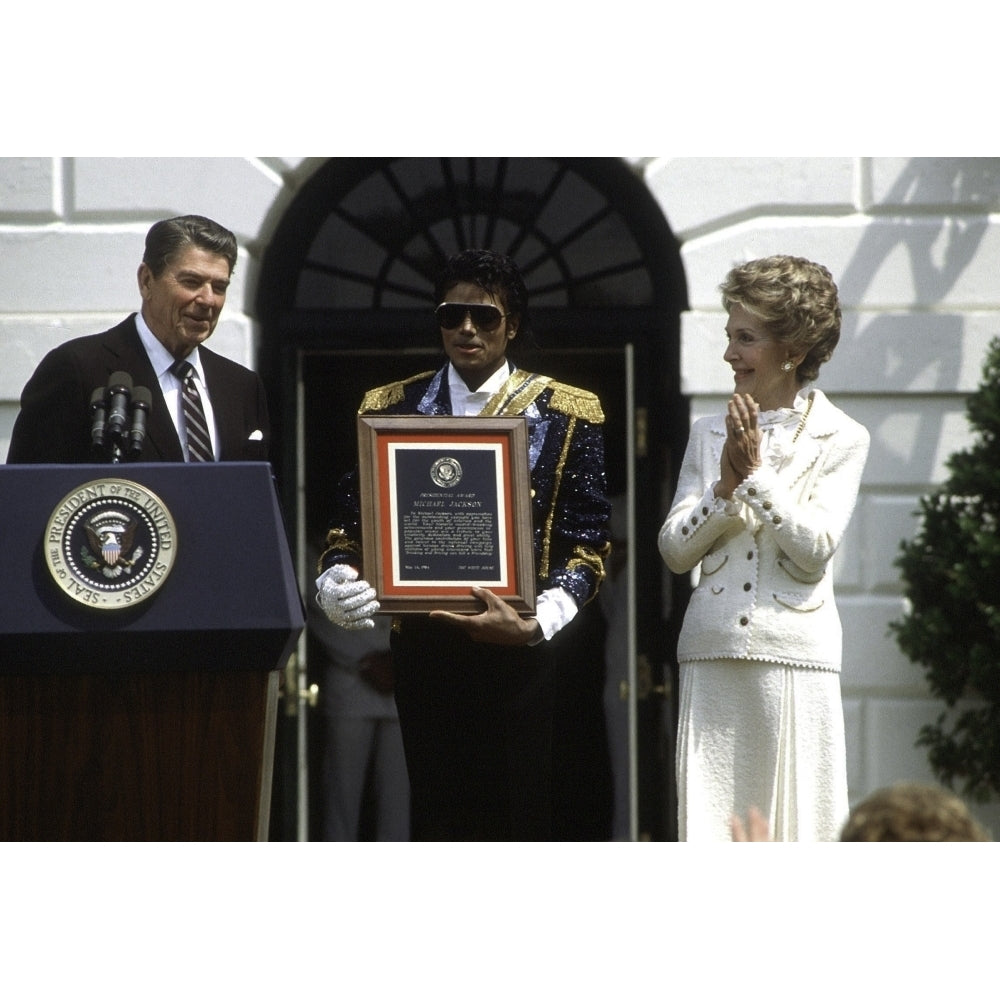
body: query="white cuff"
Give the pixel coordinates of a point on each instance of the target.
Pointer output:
(733, 507)
(554, 609)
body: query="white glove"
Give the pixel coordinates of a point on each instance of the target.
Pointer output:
(346, 600)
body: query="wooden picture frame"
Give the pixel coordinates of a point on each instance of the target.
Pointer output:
(446, 506)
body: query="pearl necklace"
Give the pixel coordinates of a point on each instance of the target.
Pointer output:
(805, 417)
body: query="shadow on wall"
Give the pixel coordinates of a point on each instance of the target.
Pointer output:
(936, 186)
(938, 256)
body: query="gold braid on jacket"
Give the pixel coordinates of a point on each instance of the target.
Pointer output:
(517, 393)
(337, 541)
(514, 397)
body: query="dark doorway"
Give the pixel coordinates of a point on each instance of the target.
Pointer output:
(345, 302)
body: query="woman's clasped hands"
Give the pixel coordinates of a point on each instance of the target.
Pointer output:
(741, 453)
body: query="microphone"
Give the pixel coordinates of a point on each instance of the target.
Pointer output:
(119, 391)
(142, 401)
(97, 413)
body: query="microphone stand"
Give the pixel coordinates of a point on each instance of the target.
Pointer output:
(119, 394)
(98, 413)
(118, 416)
(142, 403)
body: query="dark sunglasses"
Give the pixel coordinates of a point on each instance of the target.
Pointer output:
(451, 315)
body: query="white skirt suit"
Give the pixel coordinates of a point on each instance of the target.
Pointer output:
(761, 721)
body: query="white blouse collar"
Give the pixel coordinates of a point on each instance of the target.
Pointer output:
(785, 414)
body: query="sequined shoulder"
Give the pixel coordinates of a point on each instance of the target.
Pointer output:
(576, 402)
(387, 395)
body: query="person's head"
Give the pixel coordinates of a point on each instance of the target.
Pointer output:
(183, 278)
(912, 812)
(476, 339)
(784, 322)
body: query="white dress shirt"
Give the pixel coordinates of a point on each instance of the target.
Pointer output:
(161, 360)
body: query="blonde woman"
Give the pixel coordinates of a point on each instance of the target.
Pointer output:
(765, 494)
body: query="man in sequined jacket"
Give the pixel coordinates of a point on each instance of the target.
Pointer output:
(476, 693)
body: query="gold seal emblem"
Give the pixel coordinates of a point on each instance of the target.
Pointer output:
(110, 543)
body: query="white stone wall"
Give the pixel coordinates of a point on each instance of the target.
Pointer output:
(914, 247)
(913, 244)
(71, 238)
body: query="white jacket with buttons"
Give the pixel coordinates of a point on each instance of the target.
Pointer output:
(765, 590)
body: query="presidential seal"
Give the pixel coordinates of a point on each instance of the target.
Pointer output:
(446, 472)
(110, 544)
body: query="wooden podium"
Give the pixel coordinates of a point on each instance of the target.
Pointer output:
(142, 710)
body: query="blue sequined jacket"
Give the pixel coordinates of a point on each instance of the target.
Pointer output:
(570, 509)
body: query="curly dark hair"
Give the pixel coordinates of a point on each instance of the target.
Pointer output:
(493, 272)
(169, 237)
(795, 299)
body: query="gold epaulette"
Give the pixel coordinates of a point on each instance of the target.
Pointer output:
(576, 402)
(337, 541)
(385, 395)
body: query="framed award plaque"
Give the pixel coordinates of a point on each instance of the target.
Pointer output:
(446, 506)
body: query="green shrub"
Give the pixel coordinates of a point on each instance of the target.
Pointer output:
(951, 580)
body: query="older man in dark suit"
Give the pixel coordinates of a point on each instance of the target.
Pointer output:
(183, 279)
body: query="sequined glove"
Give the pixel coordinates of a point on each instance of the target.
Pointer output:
(346, 600)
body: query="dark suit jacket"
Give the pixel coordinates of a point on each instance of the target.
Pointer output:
(54, 423)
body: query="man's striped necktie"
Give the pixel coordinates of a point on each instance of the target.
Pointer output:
(199, 441)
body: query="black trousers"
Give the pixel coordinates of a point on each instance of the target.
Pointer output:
(476, 721)
(502, 743)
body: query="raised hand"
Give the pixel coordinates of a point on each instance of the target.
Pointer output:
(346, 600)
(741, 453)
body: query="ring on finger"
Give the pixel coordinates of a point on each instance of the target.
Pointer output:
(738, 430)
